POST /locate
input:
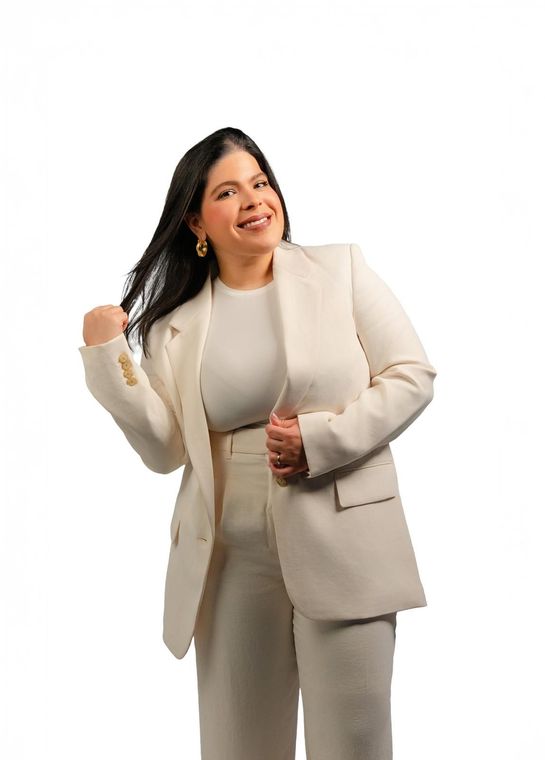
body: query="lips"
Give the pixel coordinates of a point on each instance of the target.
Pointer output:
(254, 218)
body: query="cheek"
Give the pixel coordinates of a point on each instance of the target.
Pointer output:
(275, 203)
(219, 217)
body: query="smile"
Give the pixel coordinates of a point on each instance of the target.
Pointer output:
(258, 223)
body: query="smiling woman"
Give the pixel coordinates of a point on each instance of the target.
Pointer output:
(221, 182)
(242, 216)
(276, 374)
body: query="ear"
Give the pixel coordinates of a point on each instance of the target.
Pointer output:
(193, 222)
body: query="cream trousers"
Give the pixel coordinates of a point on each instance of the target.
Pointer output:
(254, 650)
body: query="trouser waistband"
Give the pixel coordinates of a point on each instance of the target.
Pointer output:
(249, 439)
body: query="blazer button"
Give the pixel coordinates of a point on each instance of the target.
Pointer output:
(281, 481)
(122, 358)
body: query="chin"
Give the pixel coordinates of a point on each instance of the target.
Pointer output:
(265, 243)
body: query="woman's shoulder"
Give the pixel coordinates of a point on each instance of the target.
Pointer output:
(327, 250)
(331, 256)
(329, 263)
(319, 249)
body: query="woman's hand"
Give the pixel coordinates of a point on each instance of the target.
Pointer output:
(284, 438)
(103, 323)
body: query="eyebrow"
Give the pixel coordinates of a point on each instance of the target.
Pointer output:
(234, 182)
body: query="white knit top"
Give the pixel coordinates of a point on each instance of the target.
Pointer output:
(243, 366)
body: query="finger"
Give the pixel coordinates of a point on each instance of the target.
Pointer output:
(283, 473)
(273, 462)
(276, 433)
(275, 444)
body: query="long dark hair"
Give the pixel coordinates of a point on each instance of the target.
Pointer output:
(169, 272)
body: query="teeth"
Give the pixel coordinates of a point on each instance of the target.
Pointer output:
(254, 224)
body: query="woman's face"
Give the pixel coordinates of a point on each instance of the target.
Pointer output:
(236, 191)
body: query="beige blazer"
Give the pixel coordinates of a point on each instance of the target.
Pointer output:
(357, 376)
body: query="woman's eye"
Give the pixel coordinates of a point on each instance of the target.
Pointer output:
(261, 182)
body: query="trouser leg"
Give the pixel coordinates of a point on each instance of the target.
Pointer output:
(246, 667)
(345, 671)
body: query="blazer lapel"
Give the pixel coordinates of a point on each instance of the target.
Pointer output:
(298, 300)
(299, 305)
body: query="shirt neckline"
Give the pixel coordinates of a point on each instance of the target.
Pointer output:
(239, 291)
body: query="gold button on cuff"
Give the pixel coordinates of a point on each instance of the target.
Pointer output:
(281, 481)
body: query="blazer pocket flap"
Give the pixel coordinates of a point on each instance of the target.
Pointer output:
(364, 485)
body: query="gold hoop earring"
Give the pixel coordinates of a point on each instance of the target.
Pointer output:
(202, 248)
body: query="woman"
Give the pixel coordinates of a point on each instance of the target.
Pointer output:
(277, 375)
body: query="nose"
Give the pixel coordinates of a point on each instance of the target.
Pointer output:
(252, 200)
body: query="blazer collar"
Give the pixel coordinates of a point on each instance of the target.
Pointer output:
(298, 299)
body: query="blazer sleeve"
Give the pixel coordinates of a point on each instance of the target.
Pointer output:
(137, 400)
(401, 384)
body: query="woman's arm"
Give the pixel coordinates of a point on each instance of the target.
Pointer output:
(137, 400)
(401, 379)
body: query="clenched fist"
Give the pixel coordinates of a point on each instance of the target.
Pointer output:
(103, 323)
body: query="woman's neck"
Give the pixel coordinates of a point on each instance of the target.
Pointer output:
(248, 277)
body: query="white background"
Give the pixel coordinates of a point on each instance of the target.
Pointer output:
(413, 129)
